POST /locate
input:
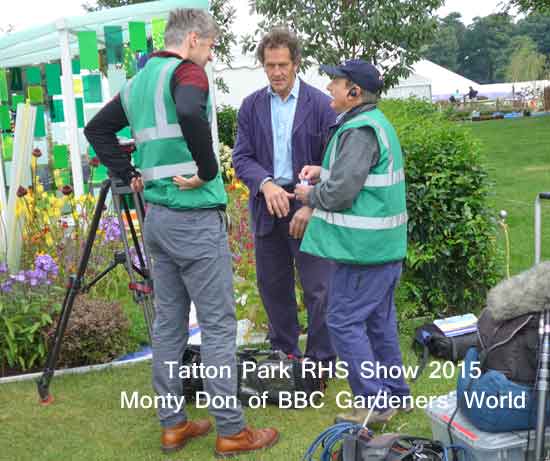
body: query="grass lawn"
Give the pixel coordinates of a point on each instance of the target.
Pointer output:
(86, 421)
(518, 156)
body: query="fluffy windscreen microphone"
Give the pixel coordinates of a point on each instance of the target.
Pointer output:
(522, 294)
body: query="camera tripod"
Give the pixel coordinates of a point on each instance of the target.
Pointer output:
(141, 286)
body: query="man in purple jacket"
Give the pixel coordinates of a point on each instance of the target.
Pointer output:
(281, 128)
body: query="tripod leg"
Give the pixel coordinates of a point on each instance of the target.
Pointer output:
(145, 258)
(142, 297)
(75, 285)
(542, 384)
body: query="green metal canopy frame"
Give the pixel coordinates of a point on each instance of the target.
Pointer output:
(58, 41)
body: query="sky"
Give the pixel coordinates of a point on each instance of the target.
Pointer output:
(28, 13)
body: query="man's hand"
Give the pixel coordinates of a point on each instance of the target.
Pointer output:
(136, 184)
(301, 192)
(311, 173)
(277, 199)
(299, 222)
(188, 183)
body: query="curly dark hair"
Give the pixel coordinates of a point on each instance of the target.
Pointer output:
(280, 37)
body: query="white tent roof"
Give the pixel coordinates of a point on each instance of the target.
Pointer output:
(42, 44)
(506, 90)
(444, 81)
(58, 41)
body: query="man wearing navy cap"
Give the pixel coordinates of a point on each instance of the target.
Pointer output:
(360, 222)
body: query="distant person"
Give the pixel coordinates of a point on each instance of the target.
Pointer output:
(456, 96)
(472, 94)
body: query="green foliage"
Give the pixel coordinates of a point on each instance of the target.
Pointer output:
(452, 259)
(241, 242)
(97, 332)
(227, 125)
(542, 6)
(484, 50)
(445, 50)
(24, 313)
(525, 63)
(389, 34)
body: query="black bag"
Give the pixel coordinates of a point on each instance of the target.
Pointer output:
(389, 447)
(275, 375)
(433, 341)
(510, 346)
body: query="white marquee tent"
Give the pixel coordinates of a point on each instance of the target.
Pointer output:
(58, 41)
(427, 81)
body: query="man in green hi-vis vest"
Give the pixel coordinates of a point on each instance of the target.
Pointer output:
(360, 222)
(165, 105)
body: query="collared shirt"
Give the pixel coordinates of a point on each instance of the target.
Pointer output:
(282, 121)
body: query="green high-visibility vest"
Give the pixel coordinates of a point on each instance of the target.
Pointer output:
(374, 229)
(162, 151)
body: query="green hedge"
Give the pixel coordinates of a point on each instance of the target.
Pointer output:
(227, 125)
(452, 258)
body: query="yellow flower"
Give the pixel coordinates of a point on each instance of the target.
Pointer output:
(49, 240)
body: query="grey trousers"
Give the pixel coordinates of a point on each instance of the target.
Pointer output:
(192, 261)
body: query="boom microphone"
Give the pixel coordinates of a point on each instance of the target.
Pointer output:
(525, 293)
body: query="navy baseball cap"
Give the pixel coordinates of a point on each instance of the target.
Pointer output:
(360, 72)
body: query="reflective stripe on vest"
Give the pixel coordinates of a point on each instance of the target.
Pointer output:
(375, 180)
(162, 130)
(167, 171)
(383, 136)
(361, 222)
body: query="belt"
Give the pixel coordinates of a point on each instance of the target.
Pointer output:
(215, 208)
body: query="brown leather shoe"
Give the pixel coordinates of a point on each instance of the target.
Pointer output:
(175, 437)
(246, 440)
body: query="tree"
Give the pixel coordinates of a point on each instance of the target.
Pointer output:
(530, 5)
(525, 63)
(388, 33)
(486, 44)
(536, 26)
(445, 50)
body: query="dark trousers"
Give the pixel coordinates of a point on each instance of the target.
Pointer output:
(277, 255)
(362, 321)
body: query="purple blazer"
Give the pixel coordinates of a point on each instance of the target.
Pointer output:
(253, 151)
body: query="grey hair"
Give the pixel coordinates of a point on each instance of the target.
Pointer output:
(183, 21)
(369, 98)
(366, 96)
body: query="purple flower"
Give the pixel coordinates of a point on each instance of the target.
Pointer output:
(46, 265)
(6, 286)
(19, 277)
(3, 268)
(135, 257)
(35, 277)
(110, 226)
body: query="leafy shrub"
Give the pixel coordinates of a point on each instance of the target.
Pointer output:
(227, 125)
(452, 258)
(97, 332)
(28, 300)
